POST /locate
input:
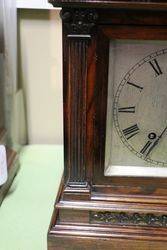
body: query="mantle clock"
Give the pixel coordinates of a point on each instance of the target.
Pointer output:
(114, 190)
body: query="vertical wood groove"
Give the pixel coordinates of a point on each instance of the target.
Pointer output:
(77, 80)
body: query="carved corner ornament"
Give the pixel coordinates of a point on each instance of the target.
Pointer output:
(123, 218)
(79, 22)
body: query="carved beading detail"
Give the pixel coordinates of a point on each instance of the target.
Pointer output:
(79, 21)
(123, 218)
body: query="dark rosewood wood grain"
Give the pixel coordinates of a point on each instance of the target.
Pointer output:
(138, 17)
(100, 111)
(136, 32)
(134, 4)
(75, 242)
(93, 211)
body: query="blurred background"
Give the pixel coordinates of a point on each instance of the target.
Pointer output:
(33, 76)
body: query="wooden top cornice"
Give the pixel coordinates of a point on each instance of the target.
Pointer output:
(129, 4)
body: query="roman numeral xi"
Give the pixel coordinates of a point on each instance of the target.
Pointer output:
(154, 64)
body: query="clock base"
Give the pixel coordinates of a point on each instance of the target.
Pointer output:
(80, 223)
(61, 242)
(13, 167)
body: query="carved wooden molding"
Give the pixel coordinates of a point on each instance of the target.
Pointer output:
(129, 4)
(123, 218)
(79, 22)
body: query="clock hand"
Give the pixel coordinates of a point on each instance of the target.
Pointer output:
(162, 132)
(156, 141)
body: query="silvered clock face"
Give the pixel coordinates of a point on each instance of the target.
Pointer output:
(140, 109)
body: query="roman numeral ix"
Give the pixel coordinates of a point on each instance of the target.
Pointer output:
(130, 131)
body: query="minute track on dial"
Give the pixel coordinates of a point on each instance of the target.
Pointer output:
(138, 103)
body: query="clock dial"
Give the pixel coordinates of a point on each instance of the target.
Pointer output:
(140, 109)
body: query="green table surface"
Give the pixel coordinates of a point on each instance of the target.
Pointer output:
(26, 211)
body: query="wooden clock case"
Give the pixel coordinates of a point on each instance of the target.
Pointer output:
(93, 211)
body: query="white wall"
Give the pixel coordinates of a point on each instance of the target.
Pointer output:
(34, 4)
(40, 73)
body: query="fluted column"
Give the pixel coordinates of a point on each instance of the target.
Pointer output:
(78, 27)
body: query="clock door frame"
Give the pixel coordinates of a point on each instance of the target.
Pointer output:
(90, 206)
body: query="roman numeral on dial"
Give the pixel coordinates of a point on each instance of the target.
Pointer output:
(154, 64)
(146, 147)
(130, 131)
(127, 110)
(135, 85)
